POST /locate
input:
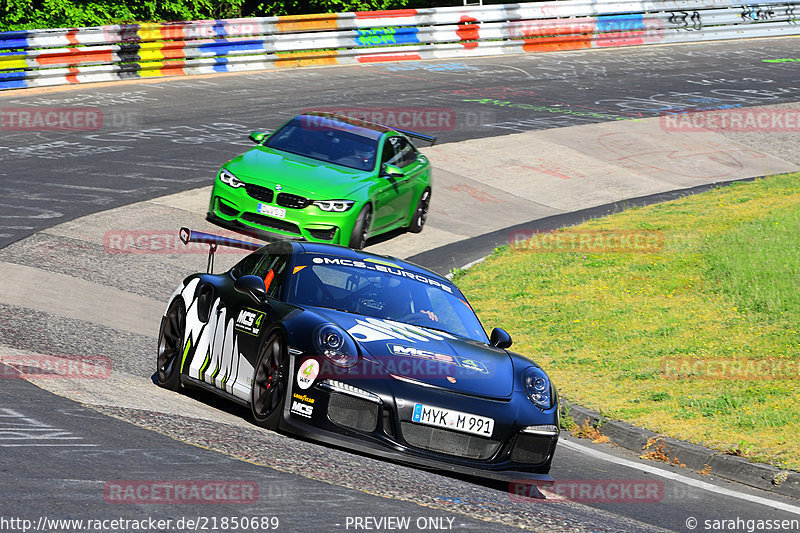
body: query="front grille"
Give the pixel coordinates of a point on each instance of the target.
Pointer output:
(354, 413)
(269, 222)
(533, 449)
(292, 201)
(322, 234)
(225, 209)
(259, 193)
(448, 442)
(388, 427)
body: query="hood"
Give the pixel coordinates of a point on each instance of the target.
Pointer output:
(430, 356)
(296, 174)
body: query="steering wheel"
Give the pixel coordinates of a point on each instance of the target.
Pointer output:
(350, 161)
(418, 319)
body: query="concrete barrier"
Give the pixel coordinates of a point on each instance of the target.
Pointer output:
(36, 58)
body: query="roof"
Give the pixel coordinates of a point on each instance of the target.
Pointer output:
(343, 123)
(349, 253)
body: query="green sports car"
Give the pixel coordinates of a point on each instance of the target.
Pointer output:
(325, 178)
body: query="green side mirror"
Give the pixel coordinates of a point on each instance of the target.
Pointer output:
(392, 171)
(258, 136)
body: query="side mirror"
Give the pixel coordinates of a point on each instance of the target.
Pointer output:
(500, 338)
(392, 171)
(253, 286)
(258, 136)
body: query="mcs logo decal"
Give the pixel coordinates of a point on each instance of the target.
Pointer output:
(302, 409)
(249, 321)
(411, 351)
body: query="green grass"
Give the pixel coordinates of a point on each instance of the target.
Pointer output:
(634, 334)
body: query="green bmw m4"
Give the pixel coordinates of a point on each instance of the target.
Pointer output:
(325, 178)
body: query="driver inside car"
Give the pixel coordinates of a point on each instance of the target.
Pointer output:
(399, 304)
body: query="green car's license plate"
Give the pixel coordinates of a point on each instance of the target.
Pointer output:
(456, 420)
(271, 210)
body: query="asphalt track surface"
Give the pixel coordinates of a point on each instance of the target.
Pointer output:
(167, 137)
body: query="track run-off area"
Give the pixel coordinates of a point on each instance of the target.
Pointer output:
(521, 139)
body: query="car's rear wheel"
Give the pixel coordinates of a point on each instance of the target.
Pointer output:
(170, 346)
(270, 382)
(421, 213)
(359, 236)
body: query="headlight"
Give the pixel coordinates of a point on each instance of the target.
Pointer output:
(229, 179)
(537, 386)
(335, 344)
(337, 206)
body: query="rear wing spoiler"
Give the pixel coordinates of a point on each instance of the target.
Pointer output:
(213, 241)
(415, 135)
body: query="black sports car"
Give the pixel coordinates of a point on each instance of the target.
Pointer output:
(364, 351)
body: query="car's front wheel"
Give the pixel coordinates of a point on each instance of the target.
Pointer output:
(170, 346)
(421, 213)
(270, 382)
(358, 238)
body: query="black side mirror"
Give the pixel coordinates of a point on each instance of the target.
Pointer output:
(500, 338)
(253, 286)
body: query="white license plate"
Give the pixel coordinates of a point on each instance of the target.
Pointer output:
(455, 420)
(271, 210)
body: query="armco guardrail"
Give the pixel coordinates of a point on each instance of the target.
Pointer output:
(37, 58)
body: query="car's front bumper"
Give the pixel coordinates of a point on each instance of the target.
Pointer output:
(380, 423)
(234, 208)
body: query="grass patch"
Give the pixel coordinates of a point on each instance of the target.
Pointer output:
(696, 338)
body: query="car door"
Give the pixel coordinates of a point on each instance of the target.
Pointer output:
(394, 198)
(239, 327)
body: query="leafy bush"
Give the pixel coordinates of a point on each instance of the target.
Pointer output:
(30, 14)
(33, 14)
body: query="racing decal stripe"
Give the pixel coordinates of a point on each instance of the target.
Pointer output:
(186, 350)
(213, 375)
(268, 279)
(218, 340)
(219, 313)
(204, 367)
(230, 357)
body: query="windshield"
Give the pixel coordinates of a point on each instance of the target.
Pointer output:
(382, 290)
(326, 140)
